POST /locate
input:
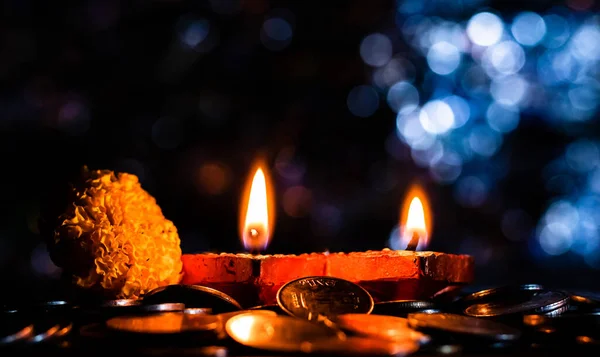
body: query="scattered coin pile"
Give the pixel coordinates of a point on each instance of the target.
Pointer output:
(321, 315)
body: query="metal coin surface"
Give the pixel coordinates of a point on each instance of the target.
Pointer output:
(43, 331)
(583, 303)
(501, 293)
(120, 303)
(544, 301)
(382, 327)
(276, 333)
(193, 296)
(165, 323)
(14, 330)
(320, 297)
(274, 307)
(402, 308)
(197, 311)
(463, 325)
(361, 346)
(165, 307)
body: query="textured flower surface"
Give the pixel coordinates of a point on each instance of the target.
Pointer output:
(114, 238)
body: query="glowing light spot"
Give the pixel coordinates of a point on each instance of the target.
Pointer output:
(504, 58)
(376, 49)
(484, 141)
(555, 239)
(585, 43)
(509, 91)
(448, 168)
(460, 108)
(485, 29)
(528, 28)
(443, 58)
(403, 98)
(557, 31)
(436, 117)
(502, 119)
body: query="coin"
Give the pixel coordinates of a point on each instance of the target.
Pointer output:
(542, 301)
(120, 303)
(320, 297)
(403, 307)
(276, 333)
(43, 331)
(198, 311)
(165, 307)
(193, 296)
(273, 307)
(14, 330)
(380, 326)
(164, 323)
(463, 325)
(583, 303)
(361, 346)
(501, 292)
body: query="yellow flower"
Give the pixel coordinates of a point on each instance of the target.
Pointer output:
(118, 240)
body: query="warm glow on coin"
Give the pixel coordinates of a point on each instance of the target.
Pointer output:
(241, 327)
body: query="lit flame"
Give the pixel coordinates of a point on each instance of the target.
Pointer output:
(416, 220)
(257, 214)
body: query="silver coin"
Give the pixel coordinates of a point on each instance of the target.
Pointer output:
(43, 331)
(463, 325)
(198, 311)
(382, 327)
(539, 302)
(14, 331)
(276, 332)
(401, 308)
(193, 296)
(121, 303)
(165, 307)
(500, 292)
(318, 298)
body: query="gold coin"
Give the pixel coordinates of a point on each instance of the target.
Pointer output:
(166, 323)
(381, 326)
(361, 346)
(276, 333)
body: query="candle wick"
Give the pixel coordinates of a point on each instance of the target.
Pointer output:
(414, 242)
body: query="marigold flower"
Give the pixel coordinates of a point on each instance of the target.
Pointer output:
(118, 240)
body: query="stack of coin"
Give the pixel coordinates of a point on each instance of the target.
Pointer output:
(515, 301)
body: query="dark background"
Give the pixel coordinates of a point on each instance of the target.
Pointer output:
(114, 86)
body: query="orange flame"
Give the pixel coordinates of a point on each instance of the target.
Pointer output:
(416, 220)
(257, 212)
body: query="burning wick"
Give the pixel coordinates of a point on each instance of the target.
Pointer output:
(414, 242)
(254, 238)
(415, 227)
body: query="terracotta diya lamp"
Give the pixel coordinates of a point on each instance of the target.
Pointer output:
(254, 279)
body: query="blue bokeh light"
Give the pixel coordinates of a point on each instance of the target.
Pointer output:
(376, 50)
(485, 29)
(443, 58)
(528, 28)
(403, 98)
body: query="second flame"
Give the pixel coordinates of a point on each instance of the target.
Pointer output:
(257, 212)
(415, 221)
